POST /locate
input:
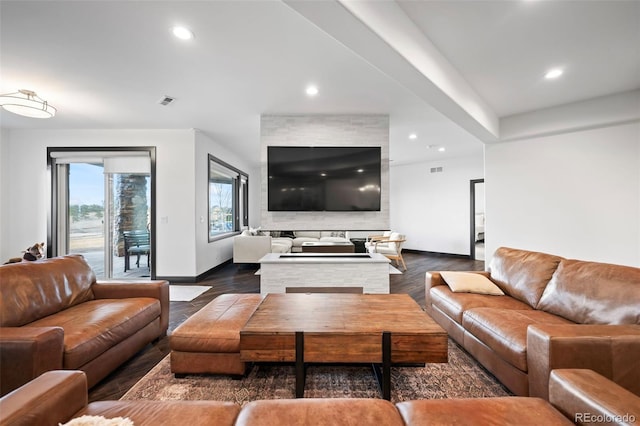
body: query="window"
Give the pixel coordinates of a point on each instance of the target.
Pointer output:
(228, 199)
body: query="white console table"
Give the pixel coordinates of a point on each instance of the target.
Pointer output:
(324, 272)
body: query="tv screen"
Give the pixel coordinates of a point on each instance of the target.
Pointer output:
(303, 178)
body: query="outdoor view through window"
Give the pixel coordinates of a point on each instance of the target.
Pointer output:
(90, 221)
(228, 194)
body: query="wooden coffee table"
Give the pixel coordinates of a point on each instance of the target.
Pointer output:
(381, 329)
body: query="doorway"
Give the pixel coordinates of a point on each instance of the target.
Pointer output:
(99, 197)
(477, 220)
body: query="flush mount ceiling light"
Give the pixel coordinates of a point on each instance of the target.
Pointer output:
(27, 103)
(311, 90)
(553, 73)
(413, 136)
(182, 33)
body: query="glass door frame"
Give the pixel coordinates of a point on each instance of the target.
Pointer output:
(56, 196)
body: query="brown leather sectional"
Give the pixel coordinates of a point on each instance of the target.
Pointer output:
(577, 395)
(556, 313)
(55, 315)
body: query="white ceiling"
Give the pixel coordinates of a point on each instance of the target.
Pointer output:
(105, 64)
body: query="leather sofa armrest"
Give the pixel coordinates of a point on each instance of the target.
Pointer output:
(586, 397)
(432, 279)
(157, 289)
(27, 352)
(50, 399)
(611, 350)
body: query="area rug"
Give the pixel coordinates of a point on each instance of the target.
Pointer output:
(461, 377)
(186, 293)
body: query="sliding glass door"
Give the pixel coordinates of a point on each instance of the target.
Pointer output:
(102, 208)
(84, 212)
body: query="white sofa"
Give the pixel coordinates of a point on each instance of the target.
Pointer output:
(252, 245)
(314, 236)
(250, 248)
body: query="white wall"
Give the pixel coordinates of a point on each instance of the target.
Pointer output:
(433, 209)
(211, 254)
(4, 146)
(27, 198)
(576, 195)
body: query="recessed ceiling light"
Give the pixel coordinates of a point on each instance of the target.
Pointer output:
(311, 90)
(442, 149)
(554, 73)
(413, 136)
(182, 33)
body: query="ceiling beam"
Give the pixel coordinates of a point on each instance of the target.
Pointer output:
(383, 35)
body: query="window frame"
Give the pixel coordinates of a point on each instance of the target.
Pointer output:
(239, 201)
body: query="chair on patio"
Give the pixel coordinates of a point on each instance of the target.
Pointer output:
(136, 243)
(390, 246)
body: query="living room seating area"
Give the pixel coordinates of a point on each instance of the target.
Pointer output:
(592, 370)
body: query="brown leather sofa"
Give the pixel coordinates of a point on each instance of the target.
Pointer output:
(556, 313)
(581, 395)
(55, 315)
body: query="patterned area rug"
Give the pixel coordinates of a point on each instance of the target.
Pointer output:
(461, 377)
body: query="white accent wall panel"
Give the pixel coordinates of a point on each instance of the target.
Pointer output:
(325, 130)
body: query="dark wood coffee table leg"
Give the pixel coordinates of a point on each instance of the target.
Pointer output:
(301, 372)
(383, 371)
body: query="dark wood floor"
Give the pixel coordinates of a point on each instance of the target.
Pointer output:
(231, 279)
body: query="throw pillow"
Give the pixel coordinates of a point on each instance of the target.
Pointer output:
(468, 282)
(99, 421)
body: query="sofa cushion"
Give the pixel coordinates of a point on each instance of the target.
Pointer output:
(34, 290)
(481, 411)
(594, 293)
(334, 239)
(93, 327)
(320, 411)
(454, 304)
(523, 274)
(468, 282)
(167, 412)
(333, 234)
(280, 247)
(505, 330)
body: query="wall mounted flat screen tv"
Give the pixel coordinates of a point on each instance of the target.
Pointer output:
(303, 178)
